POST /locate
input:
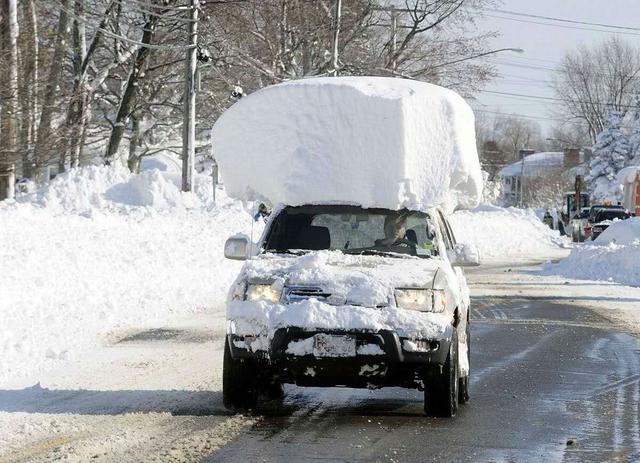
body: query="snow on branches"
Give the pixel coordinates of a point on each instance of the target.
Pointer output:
(611, 152)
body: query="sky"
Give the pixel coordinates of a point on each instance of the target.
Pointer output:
(544, 47)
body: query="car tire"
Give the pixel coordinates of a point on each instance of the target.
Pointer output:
(441, 393)
(239, 390)
(463, 386)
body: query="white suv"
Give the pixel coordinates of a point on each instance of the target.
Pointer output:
(339, 295)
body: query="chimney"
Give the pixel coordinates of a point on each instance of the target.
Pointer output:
(571, 158)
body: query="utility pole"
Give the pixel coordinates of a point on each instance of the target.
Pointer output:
(189, 114)
(394, 41)
(336, 33)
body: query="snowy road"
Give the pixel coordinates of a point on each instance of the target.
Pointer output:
(545, 371)
(544, 374)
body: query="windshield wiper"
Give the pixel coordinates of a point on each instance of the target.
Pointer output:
(295, 252)
(376, 252)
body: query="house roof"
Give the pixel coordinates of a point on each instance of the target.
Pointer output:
(628, 174)
(535, 164)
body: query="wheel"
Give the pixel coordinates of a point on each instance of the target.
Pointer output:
(441, 393)
(274, 390)
(239, 390)
(463, 386)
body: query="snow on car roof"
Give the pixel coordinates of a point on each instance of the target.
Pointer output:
(371, 141)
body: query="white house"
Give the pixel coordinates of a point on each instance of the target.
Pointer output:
(514, 177)
(630, 179)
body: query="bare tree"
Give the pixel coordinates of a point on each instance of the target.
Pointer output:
(29, 64)
(43, 150)
(592, 81)
(9, 115)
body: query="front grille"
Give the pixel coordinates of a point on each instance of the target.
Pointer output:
(302, 293)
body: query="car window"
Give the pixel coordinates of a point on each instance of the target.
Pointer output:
(448, 242)
(447, 236)
(352, 229)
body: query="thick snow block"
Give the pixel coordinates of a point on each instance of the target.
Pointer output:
(370, 141)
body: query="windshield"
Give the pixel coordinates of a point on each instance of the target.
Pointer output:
(352, 230)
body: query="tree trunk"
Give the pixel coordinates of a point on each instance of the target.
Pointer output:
(134, 142)
(129, 96)
(29, 66)
(76, 114)
(43, 142)
(9, 115)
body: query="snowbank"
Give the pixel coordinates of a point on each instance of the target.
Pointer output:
(614, 256)
(100, 249)
(375, 142)
(507, 233)
(621, 232)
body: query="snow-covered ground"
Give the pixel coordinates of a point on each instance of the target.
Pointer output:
(112, 296)
(508, 234)
(100, 249)
(614, 256)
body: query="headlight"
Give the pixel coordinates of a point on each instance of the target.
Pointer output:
(262, 293)
(423, 300)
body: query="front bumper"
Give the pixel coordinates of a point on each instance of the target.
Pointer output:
(395, 364)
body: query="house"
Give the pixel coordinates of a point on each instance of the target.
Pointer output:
(534, 171)
(630, 179)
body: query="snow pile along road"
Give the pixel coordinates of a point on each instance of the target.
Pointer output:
(100, 249)
(614, 256)
(369, 141)
(508, 233)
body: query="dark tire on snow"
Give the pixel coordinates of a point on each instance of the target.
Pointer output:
(441, 391)
(239, 390)
(463, 386)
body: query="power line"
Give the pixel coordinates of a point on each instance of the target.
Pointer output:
(550, 98)
(523, 116)
(563, 26)
(572, 21)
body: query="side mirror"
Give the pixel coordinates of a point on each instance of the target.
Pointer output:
(237, 247)
(464, 255)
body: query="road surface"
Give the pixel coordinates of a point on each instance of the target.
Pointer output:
(550, 382)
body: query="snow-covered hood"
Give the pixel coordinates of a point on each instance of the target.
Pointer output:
(350, 279)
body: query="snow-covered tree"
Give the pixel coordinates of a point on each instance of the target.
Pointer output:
(634, 136)
(610, 154)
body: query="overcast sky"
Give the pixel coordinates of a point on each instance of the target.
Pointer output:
(544, 46)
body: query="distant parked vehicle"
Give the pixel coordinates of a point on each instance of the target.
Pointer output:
(601, 216)
(573, 219)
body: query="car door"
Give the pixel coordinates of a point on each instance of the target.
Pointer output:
(461, 281)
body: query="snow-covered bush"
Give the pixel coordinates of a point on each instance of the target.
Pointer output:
(492, 189)
(610, 154)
